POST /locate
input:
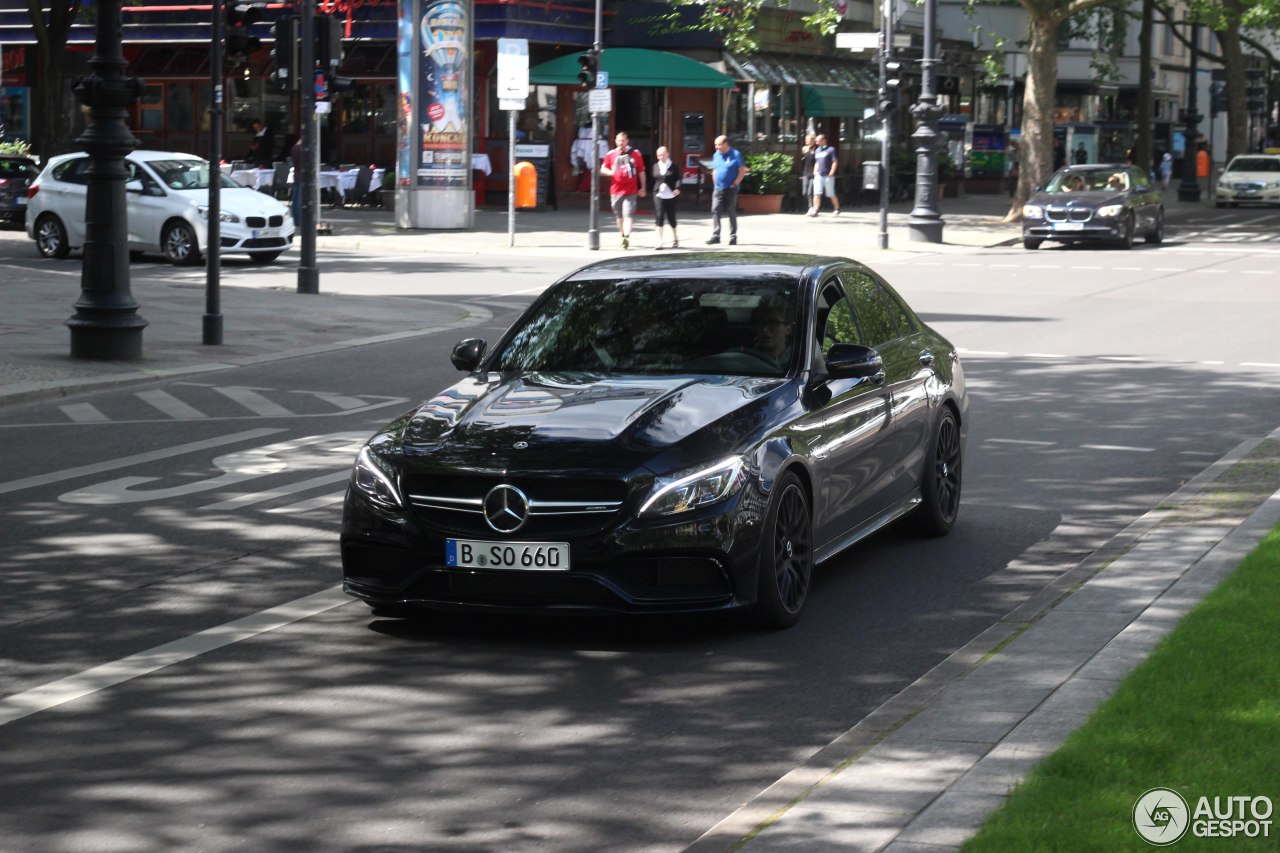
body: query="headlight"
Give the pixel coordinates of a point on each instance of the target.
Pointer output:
(223, 216)
(1033, 211)
(1273, 185)
(1111, 210)
(686, 490)
(374, 477)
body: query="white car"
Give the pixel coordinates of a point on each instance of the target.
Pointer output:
(1249, 178)
(167, 202)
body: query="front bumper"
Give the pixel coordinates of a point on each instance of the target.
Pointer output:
(1097, 228)
(705, 561)
(1252, 193)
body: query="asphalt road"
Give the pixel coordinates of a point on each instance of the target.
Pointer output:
(1101, 381)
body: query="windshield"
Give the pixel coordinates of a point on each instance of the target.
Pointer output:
(1254, 164)
(639, 326)
(1092, 180)
(187, 174)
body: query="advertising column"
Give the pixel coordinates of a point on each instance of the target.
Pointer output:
(433, 163)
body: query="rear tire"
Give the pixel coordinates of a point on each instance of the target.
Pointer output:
(786, 556)
(179, 244)
(940, 485)
(51, 237)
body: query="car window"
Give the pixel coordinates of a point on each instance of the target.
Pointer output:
(10, 168)
(73, 171)
(880, 316)
(1082, 180)
(734, 327)
(839, 326)
(185, 174)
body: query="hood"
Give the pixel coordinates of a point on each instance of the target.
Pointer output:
(1079, 199)
(241, 201)
(554, 422)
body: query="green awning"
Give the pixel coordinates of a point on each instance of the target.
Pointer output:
(828, 101)
(633, 66)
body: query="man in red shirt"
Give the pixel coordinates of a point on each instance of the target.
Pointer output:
(625, 168)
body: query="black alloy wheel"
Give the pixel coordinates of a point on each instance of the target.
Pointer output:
(1156, 235)
(179, 244)
(940, 487)
(51, 237)
(786, 556)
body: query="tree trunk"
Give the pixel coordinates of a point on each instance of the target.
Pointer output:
(1237, 113)
(1035, 157)
(1142, 154)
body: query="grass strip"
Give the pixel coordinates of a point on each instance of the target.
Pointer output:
(1201, 716)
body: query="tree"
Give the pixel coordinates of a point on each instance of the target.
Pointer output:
(51, 125)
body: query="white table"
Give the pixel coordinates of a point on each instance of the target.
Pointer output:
(344, 182)
(256, 179)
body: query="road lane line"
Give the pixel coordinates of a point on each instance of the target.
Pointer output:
(84, 413)
(170, 405)
(281, 491)
(1021, 441)
(1258, 364)
(137, 459)
(115, 672)
(1119, 447)
(255, 402)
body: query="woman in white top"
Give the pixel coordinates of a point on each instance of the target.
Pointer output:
(666, 181)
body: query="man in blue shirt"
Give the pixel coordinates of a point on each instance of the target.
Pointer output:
(729, 170)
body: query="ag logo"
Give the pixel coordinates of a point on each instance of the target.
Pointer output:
(1161, 816)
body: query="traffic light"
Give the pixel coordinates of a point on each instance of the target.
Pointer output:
(237, 41)
(892, 83)
(1217, 97)
(329, 51)
(590, 62)
(1255, 91)
(285, 52)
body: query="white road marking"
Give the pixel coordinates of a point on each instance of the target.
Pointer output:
(1046, 355)
(340, 401)
(280, 491)
(981, 352)
(1119, 447)
(136, 459)
(1258, 364)
(170, 405)
(254, 402)
(115, 672)
(313, 503)
(84, 413)
(1021, 441)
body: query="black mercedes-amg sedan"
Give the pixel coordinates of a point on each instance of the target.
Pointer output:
(664, 435)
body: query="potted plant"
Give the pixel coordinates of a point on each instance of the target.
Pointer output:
(770, 175)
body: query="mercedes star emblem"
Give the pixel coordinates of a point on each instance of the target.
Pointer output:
(506, 508)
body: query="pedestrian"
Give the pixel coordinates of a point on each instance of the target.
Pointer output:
(260, 146)
(666, 188)
(1166, 170)
(806, 166)
(625, 169)
(727, 169)
(1081, 156)
(825, 163)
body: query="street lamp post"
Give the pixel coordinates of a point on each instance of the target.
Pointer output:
(106, 324)
(1189, 189)
(925, 223)
(593, 160)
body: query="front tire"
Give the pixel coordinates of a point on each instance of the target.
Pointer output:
(179, 244)
(1126, 239)
(263, 257)
(51, 237)
(1156, 235)
(786, 556)
(940, 486)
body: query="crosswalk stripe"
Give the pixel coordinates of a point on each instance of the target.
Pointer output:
(170, 405)
(254, 402)
(338, 400)
(83, 413)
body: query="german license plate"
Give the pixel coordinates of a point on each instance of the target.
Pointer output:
(263, 232)
(1068, 226)
(22, 199)
(525, 556)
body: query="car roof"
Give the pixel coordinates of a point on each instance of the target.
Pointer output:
(708, 265)
(1089, 167)
(140, 154)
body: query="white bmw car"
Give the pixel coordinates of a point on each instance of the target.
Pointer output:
(167, 201)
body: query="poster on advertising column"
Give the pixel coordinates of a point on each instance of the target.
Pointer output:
(442, 94)
(404, 72)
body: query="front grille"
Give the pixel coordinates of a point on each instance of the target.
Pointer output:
(1068, 214)
(452, 506)
(255, 221)
(265, 243)
(1248, 185)
(275, 221)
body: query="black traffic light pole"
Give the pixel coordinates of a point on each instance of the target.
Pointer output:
(304, 173)
(211, 323)
(593, 161)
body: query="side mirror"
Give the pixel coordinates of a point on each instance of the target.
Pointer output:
(854, 361)
(133, 187)
(467, 354)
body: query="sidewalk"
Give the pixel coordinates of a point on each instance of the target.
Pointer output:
(39, 296)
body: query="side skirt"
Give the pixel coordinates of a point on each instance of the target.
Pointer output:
(861, 532)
